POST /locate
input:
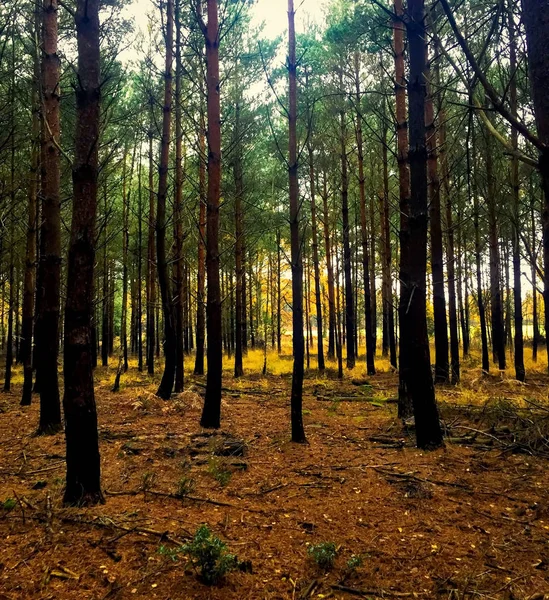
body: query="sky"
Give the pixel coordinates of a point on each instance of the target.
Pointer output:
(272, 12)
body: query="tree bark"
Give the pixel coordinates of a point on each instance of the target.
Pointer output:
(419, 380)
(437, 259)
(520, 372)
(535, 15)
(151, 255)
(83, 485)
(298, 431)
(316, 260)
(32, 221)
(370, 343)
(405, 408)
(47, 321)
(178, 214)
(211, 414)
(330, 269)
(239, 243)
(167, 382)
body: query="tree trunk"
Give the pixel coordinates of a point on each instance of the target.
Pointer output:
(83, 463)
(211, 414)
(535, 15)
(151, 255)
(437, 260)
(405, 408)
(316, 262)
(419, 380)
(239, 243)
(370, 343)
(496, 304)
(178, 214)
(349, 299)
(520, 373)
(167, 382)
(330, 269)
(47, 322)
(32, 221)
(298, 431)
(450, 250)
(201, 272)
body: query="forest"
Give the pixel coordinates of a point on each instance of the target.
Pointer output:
(274, 281)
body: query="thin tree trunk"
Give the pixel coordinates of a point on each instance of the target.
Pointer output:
(349, 300)
(414, 324)
(405, 408)
(151, 256)
(498, 334)
(83, 485)
(239, 243)
(211, 414)
(32, 221)
(535, 16)
(330, 269)
(298, 431)
(316, 261)
(439, 302)
(201, 272)
(47, 326)
(178, 214)
(167, 382)
(520, 372)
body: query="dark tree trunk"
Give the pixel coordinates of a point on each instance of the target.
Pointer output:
(83, 485)
(472, 192)
(151, 256)
(211, 414)
(201, 272)
(520, 373)
(496, 304)
(536, 22)
(405, 408)
(450, 251)
(316, 262)
(386, 257)
(298, 431)
(370, 342)
(349, 299)
(105, 302)
(139, 287)
(418, 375)
(32, 222)
(179, 295)
(239, 243)
(330, 269)
(167, 382)
(278, 292)
(437, 259)
(47, 318)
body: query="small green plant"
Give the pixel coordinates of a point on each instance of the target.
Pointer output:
(323, 554)
(148, 481)
(354, 562)
(185, 486)
(209, 556)
(217, 468)
(9, 504)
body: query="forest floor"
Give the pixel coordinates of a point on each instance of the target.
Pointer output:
(467, 521)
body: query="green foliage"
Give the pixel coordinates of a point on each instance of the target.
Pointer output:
(323, 554)
(9, 504)
(209, 556)
(354, 562)
(217, 468)
(185, 486)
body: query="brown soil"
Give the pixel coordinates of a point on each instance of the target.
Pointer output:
(469, 520)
